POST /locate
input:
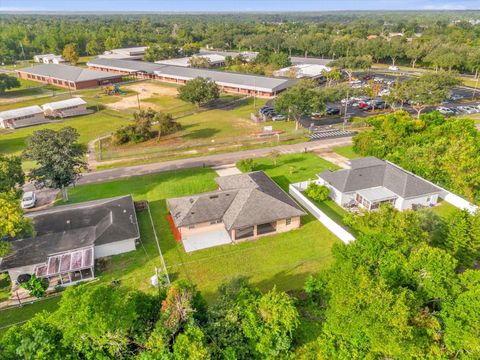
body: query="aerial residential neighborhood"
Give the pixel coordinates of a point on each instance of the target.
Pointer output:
(250, 180)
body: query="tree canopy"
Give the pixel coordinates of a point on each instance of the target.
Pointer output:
(199, 91)
(8, 82)
(58, 155)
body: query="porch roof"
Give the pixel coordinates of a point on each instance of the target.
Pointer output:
(377, 194)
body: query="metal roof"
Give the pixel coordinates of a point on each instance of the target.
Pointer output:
(230, 79)
(67, 72)
(223, 78)
(377, 194)
(371, 172)
(25, 111)
(297, 60)
(130, 66)
(76, 101)
(185, 61)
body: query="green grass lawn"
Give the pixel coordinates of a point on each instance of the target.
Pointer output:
(443, 209)
(346, 151)
(212, 129)
(5, 286)
(12, 316)
(89, 128)
(293, 168)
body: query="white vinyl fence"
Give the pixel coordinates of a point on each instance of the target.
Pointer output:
(295, 191)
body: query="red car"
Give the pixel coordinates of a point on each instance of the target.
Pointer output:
(362, 105)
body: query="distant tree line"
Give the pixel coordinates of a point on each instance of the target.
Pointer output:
(435, 40)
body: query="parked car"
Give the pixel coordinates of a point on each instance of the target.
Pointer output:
(29, 199)
(332, 111)
(362, 105)
(393, 68)
(456, 97)
(367, 77)
(279, 117)
(466, 109)
(445, 110)
(384, 92)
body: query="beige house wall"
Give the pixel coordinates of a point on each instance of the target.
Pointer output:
(281, 227)
(200, 228)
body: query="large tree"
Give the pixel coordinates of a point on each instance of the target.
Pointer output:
(199, 91)
(70, 53)
(299, 100)
(11, 172)
(8, 82)
(12, 221)
(59, 158)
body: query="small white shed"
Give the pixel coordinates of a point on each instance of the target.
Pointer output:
(26, 116)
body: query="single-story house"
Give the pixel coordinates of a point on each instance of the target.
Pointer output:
(238, 83)
(370, 182)
(214, 60)
(49, 59)
(244, 207)
(67, 76)
(65, 108)
(26, 116)
(69, 238)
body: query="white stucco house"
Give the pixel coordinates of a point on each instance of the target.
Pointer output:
(68, 239)
(370, 182)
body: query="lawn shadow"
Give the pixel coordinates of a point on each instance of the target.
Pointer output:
(201, 133)
(13, 144)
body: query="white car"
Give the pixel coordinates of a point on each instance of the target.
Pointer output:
(28, 200)
(466, 109)
(393, 68)
(384, 92)
(445, 111)
(279, 117)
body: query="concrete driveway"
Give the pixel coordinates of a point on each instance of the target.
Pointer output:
(206, 240)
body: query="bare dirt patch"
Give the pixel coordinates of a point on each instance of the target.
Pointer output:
(145, 91)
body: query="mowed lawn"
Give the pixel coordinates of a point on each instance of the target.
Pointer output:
(89, 127)
(282, 260)
(346, 151)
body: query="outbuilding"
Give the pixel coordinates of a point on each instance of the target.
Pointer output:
(67, 76)
(66, 108)
(26, 116)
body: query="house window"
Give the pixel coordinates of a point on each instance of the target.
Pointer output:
(429, 199)
(288, 221)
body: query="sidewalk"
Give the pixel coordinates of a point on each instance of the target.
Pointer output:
(209, 160)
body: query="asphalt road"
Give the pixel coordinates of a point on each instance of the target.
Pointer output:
(208, 161)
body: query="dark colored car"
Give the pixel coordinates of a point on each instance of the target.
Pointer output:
(332, 111)
(367, 77)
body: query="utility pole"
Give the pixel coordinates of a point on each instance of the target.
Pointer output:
(138, 102)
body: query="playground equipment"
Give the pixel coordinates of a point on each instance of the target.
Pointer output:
(113, 90)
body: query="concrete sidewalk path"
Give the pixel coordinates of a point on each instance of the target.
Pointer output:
(208, 161)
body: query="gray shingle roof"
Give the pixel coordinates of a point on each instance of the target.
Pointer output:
(243, 200)
(67, 72)
(246, 81)
(24, 111)
(72, 227)
(372, 172)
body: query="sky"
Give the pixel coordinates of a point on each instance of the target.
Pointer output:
(233, 5)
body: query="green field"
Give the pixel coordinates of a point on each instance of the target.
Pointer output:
(346, 151)
(89, 127)
(212, 129)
